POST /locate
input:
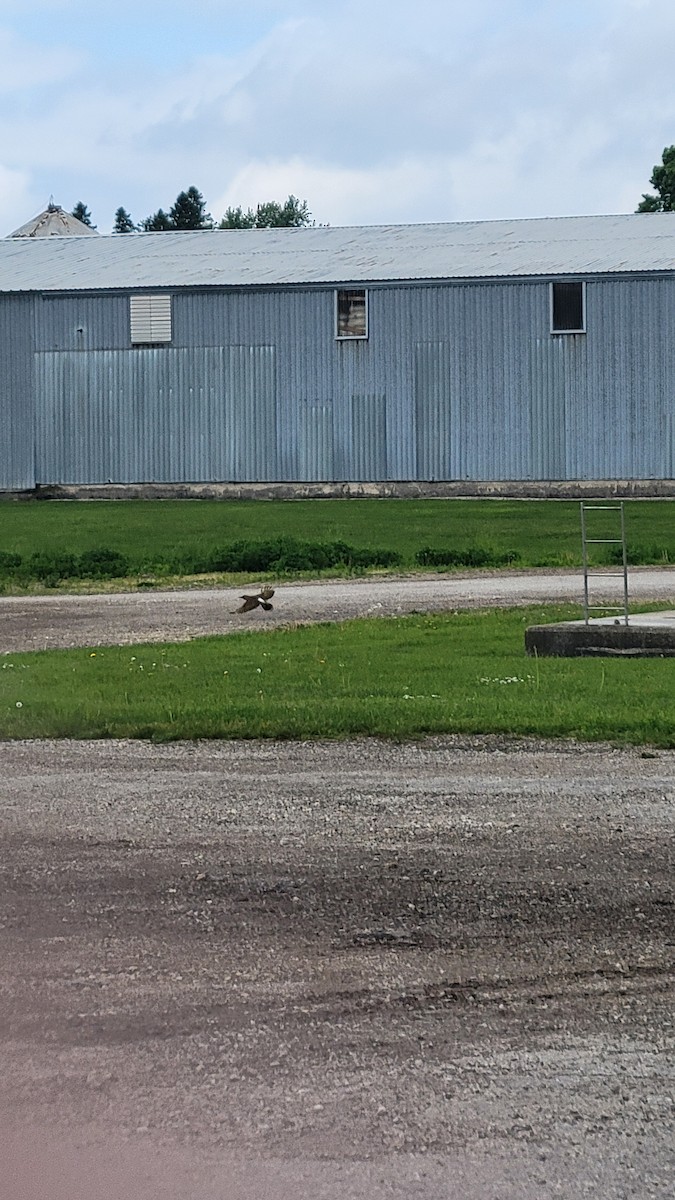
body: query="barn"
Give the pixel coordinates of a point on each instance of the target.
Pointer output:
(501, 351)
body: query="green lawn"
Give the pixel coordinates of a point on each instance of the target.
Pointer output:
(459, 672)
(163, 538)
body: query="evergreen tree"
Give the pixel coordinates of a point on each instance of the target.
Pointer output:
(663, 179)
(82, 213)
(236, 218)
(189, 211)
(293, 213)
(123, 222)
(157, 223)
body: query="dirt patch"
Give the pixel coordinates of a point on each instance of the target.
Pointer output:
(343, 969)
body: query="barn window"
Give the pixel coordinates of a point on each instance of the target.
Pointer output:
(150, 319)
(351, 308)
(567, 307)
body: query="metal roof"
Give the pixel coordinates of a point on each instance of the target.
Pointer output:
(54, 222)
(550, 246)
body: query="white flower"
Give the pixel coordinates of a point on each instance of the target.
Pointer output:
(19, 704)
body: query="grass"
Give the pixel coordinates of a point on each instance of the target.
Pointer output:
(463, 672)
(161, 538)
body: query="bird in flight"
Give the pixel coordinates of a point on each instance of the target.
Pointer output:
(261, 599)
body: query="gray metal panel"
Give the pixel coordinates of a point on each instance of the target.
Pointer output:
(369, 438)
(76, 322)
(433, 418)
(156, 415)
(316, 450)
(16, 398)
(553, 246)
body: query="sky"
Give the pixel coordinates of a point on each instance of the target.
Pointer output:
(374, 112)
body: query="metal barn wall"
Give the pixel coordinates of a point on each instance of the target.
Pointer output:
(456, 381)
(16, 396)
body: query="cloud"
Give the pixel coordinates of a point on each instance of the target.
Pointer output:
(372, 113)
(14, 198)
(27, 67)
(351, 195)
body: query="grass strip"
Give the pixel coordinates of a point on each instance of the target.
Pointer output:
(401, 678)
(167, 538)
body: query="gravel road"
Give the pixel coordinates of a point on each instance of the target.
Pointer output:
(41, 622)
(245, 971)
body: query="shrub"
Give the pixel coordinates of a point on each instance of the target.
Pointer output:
(9, 562)
(637, 553)
(51, 566)
(285, 555)
(102, 564)
(470, 556)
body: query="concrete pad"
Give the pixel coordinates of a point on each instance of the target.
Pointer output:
(647, 635)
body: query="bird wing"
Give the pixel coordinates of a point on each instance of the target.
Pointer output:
(249, 603)
(266, 593)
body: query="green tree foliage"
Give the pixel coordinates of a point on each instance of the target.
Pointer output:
(189, 211)
(157, 223)
(81, 212)
(123, 222)
(663, 179)
(293, 213)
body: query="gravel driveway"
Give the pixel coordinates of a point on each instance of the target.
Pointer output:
(40, 622)
(244, 971)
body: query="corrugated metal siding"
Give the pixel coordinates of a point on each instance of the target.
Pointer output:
(16, 395)
(369, 438)
(317, 446)
(156, 415)
(434, 425)
(454, 382)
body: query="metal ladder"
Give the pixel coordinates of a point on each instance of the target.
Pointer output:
(587, 541)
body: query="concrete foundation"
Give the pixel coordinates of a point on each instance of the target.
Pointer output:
(527, 489)
(647, 635)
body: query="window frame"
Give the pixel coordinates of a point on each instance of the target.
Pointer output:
(565, 332)
(166, 310)
(351, 337)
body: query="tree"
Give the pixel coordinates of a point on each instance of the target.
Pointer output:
(189, 211)
(157, 223)
(123, 222)
(293, 213)
(236, 218)
(81, 212)
(663, 179)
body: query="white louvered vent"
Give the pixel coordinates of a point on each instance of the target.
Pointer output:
(150, 319)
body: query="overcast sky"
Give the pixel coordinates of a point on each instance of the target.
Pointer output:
(375, 112)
